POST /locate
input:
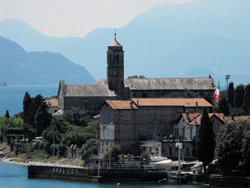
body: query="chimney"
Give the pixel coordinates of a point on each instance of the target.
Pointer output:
(137, 101)
(196, 103)
(194, 119)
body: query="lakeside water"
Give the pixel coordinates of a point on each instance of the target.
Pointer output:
(11, 97)
(15, 176)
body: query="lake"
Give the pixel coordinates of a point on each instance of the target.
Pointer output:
(11, 96)
(15, 176)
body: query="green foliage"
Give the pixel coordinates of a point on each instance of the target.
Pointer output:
(112, 154)
(26, 107)
(230, 94)
(233, 145)
(66, 134)
(246, 102)
(42, 119)
(205, 143)
(7, 115)
(239, 95)
(90, 147)
(223, 106)
(77, 116)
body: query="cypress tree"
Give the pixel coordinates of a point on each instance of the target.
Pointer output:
(7, 115)
(230, 94)
(205, 143)
(35, 104)
(246, 102)
(239, 95)
(27, 100)
(42, 119)
(223, 107)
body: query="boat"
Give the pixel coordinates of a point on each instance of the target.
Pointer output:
(157, 158)
(167, 164)
(197, 168)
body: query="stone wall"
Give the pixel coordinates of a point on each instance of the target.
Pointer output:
(73, 152)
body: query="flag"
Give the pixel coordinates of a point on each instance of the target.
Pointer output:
(217, 93)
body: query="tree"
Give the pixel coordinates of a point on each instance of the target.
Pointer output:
(233, 146)
(230, 94)
(27, 100)
(239, 95)
(7, 115)
(112, 153)
(90, 147)
(77, 116)
(205, 143)
(223, 107)
(42, 119)
(246, 102)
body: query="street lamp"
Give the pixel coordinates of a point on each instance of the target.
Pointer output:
(227, 78)
(179, 146)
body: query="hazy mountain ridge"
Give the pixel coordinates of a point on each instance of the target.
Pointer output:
(20, 67)
(170, 40)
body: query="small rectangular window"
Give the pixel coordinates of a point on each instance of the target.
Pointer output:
(187, 152)
(156, 116)
(167, 116)
(107, 133)
(144, 116)
(170, 151)
(111, 134)
(126, 116)
(144, 132)
(107, 119)
(111, 117)
(103, 131)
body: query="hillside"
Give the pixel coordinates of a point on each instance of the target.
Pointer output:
(170, 40)
(20, 67)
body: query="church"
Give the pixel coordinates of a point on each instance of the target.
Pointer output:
(91, 96)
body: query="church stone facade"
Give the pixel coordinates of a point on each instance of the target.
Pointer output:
(114, 87)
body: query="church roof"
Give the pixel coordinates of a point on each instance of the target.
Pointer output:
(170, 84)
(115, 43)
(100, 88)
(97, 89)
(185, 102)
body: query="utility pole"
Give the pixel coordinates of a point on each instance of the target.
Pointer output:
(53, 140)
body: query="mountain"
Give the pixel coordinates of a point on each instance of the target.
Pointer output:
(20, 67)
(170, 40)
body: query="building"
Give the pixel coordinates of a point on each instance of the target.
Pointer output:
(186, 128)
(91, 96)
(127, 122)
(53, 105)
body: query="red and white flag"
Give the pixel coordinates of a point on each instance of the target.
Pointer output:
(217, 93)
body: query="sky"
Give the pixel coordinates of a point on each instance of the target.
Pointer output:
(67, 18)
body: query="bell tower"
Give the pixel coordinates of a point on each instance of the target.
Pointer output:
(115, 67)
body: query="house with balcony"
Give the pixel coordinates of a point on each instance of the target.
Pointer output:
(129, 123)
(185, 129)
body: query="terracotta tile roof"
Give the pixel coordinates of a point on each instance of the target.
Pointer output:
(122, 104)
(229, 118)
(186, 102)
(52, 102)
(197, 117)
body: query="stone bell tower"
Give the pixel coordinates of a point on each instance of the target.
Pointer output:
(115, 67)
